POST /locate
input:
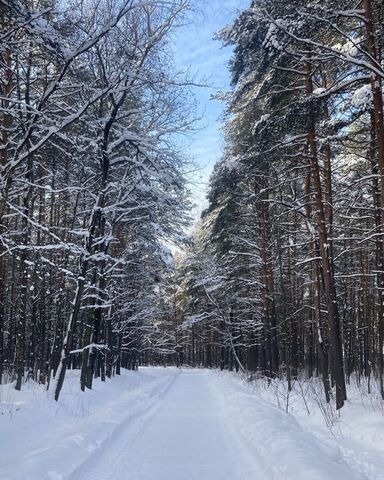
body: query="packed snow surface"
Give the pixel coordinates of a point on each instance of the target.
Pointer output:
(163, 424)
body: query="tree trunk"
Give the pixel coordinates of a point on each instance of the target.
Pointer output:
(326, 260)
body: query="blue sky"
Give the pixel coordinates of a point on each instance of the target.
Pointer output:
(207, 59)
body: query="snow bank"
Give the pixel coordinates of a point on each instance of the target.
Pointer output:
(285, 449)
(357, 430)
(42, 439)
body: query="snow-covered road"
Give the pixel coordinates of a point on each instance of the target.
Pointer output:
(164, 424)
(187, 436)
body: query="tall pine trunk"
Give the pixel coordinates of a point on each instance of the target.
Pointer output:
(325, 253)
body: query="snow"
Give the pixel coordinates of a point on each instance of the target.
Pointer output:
(362, 97)
(230, 162)
(188, 437)
(271, 38)
(167, 257)
(190, 424)
(41, 439)
(319, 91)
(348, 48)
(355, 434)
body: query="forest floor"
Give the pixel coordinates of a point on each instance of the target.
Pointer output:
(172, 424)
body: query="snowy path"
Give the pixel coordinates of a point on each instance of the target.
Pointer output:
(165, 424)
(188, 436)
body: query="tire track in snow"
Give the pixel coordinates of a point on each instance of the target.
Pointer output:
(184, 437)
(100, 464)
